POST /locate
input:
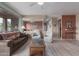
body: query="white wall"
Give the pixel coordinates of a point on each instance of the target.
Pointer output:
(49, 31)
(48, 38)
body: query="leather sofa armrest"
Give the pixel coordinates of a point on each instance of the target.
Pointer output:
(10, 43)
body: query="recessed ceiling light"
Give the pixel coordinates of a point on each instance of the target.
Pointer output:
(40, 3)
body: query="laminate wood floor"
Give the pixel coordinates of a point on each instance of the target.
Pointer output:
(56, 48)
(63, 48)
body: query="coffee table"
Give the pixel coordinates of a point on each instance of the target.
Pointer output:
(37, 49)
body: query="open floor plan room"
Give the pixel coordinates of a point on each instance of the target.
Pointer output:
(39, 28)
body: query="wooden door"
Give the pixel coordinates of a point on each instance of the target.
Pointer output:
(68, 26)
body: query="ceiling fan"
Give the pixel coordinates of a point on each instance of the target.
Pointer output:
(41, 4)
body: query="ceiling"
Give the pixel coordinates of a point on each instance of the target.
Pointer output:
(49, 8)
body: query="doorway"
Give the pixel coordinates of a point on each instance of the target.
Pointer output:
(56, 29)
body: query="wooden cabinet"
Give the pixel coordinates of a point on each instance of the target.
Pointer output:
(68, 26)
(37, 49)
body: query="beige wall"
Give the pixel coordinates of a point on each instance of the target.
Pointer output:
(77, 27)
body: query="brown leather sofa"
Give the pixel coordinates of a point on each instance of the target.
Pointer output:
(10, 42)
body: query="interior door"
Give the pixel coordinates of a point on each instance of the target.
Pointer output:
(68, 26)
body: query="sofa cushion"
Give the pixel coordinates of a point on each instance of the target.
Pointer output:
(22, 35)
(15, 42)
(18, 40)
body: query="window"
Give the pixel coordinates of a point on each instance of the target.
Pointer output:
(8, 24)
(1, 24)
